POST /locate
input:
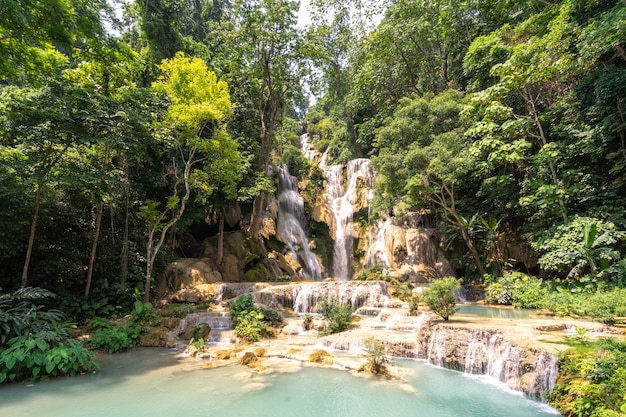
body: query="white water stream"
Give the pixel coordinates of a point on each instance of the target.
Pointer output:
(290, 219)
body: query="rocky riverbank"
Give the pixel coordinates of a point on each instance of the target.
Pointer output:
(521, 353)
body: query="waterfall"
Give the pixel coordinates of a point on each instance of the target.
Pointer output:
(342, 200)
(487, 352)
(377, 253)
(290, 217)
(356, 293)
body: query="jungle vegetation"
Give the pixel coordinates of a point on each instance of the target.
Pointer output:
(125, 125)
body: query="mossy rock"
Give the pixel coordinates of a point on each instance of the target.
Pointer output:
(199, 331)
(256, 275)
(248, 358)
(156, 337)
(321, 356)
(176, 310)
(224, 354)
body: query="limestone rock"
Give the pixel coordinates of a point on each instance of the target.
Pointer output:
(157, 337)
(199, 331)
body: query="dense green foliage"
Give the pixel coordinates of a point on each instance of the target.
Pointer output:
(522, 291)
(252, 322)
(592, 380)
(338, 316)
(35, 342)
(440, 296)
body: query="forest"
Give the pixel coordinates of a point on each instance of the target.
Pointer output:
(127, 126)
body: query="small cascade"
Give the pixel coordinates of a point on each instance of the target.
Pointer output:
(306, 297)
(486, 352)
(215, 319)
(290, 218)
(308, 150)
(377, 253)
(342, 200)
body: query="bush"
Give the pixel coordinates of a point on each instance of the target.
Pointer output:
(34, 342)
(440, 296)
(592, 380)
(116, 338)
(376, 359)
(337, 316)
(517, 289)
(35, 359)
(250, 322)
(250, 326)
(239, 307)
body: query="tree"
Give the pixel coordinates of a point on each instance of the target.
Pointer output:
(44, 125)
(194, 129)
(440, 296)
(268, 41)
(423, 159)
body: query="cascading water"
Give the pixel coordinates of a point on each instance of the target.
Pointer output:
(342, 200)
(290, 216)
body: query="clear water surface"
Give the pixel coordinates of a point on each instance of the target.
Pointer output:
(154, 383)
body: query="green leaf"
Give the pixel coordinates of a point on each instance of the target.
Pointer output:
(10, 362)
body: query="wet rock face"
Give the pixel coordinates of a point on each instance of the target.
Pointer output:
(408, 248)
(487, 352)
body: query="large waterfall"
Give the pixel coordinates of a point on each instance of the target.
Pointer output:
(342, 199)
(290, 230)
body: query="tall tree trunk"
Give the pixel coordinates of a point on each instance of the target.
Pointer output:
(94, 244)
(31, 237)
(455, 218)
(153, 248)
(544, 141)
(124, 254)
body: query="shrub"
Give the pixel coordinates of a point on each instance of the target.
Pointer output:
(240, 306)
(517, 289)
(35, 359)
(250, 322)
(250, 326)
(337, 316)
(440, 296)
(592, 380)
(34, 342)
(376, 359)
(116, 338)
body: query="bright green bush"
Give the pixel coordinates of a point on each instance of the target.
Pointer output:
(440, 296)
(517, 289)
(592, 380)
(116, 338)
(250, 322)
(36, 359)
(34, 342)
(338, 317)
(239, 307)
(250, 326)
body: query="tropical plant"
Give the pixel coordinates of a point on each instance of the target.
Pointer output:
(584, 250)
(116, 338)
(250, 326)
(338, 316)
(239, 307)
(375, 354)
(34, 342)
(440, 296)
